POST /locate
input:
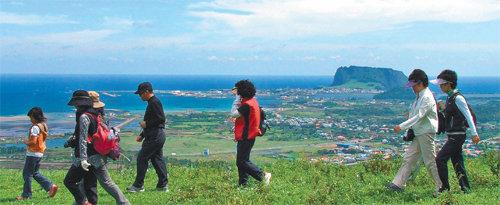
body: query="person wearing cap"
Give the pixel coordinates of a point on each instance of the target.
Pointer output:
(86, 159)
(152, 138)
(423, 120)
(457, 117)
(35, 141)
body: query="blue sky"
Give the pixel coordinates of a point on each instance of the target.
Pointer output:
(286, 37)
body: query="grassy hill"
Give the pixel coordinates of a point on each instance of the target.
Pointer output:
(293, 182)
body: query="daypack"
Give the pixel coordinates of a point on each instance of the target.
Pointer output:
(263, 126)
(105, 140)
(470, 109)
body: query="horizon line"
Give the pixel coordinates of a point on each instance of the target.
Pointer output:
(166, 74)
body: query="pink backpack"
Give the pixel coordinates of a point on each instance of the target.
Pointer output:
(105, 141)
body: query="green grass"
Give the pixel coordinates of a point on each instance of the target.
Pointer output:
(293, 182)
(360, 85)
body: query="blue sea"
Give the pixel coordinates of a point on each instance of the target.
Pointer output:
(19, 93)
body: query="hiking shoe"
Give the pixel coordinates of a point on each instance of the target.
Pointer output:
(165, 189)
(267, 178)
(53, 190)
(393, 187)
(134, 189)
(439, 192)
(22, 198)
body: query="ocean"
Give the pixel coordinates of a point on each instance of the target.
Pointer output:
(19, 92)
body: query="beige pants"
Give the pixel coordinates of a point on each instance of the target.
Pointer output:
(422, 145)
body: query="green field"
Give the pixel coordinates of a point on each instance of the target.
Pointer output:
(293, 182)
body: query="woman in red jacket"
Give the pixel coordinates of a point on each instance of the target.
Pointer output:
(246, 128)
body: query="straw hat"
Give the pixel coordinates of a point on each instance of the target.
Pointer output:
(94, 96)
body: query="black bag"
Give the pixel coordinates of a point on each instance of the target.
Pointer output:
(263, 126)
(409, 135)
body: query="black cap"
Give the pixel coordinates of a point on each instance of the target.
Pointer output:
(80, 98)
(143, 87)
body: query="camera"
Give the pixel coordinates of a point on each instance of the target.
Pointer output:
(71, 142)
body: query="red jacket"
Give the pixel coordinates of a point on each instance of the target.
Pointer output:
(241, 127)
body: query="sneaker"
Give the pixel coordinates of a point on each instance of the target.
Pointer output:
(22, 198)
(134, 189)
(393, 187)
(267, 178)
(53, 190)
(87, 203)
(165, 189)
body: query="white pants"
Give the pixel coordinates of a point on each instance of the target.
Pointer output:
(422, 145)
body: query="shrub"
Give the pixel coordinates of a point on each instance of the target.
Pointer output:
(376, 164)
(492, 159)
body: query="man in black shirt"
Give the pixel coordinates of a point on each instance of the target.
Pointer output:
(154, 138)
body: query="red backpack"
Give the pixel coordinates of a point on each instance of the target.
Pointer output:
(104, 140)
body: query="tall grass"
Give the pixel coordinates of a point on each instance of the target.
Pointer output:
(293, 182)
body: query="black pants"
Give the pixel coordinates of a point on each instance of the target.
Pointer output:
(452, 149)
(74, 176)
(152, 149)
(245, 166)
(90, 187)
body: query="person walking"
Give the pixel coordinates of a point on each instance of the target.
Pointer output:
(35, 141)
(246, 129)
(88, 185)
(86, 158)
(424, 122)
(457, 117)
(153, 137)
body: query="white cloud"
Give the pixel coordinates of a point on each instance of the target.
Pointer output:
(12, 18)
(161, 42)
(16, 3)
(72, 38)
(299, 18)
(310, 58)
(212, 58)
(114, 59)
(126, 23)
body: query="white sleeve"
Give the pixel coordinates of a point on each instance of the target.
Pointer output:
(35, 131)
(462, 106)
(234, 108)
(422, 110)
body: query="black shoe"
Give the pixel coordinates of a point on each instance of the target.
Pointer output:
(393, 187)
(465, 190)
(134, 189)
(439, 192)
(164, 189)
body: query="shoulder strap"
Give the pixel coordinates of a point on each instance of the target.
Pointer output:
(91, 115)
(454, 96)
(42, 125)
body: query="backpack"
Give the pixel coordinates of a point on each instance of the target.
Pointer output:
(263, 126)
(105, 140)
(470, 109)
